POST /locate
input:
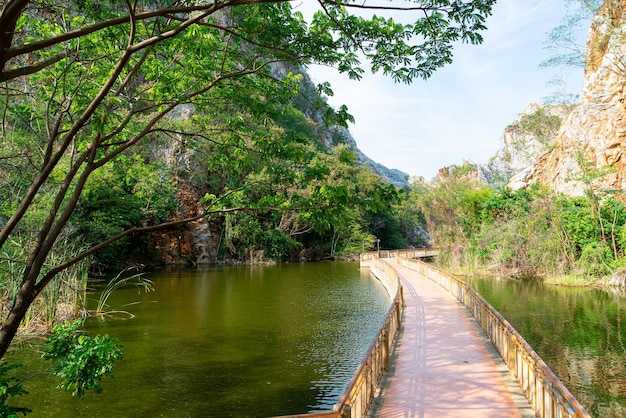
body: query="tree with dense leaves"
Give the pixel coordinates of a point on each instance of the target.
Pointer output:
(83, 82)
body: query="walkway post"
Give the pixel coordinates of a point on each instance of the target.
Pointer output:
(386, 352)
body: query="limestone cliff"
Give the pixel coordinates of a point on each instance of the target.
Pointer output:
(198, 242)
(591, 140)
(527, 139)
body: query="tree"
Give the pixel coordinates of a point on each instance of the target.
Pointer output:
(451, 208)
(566, 48)
(84, 82)
(335, 197)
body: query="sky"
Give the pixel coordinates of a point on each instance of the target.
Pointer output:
(460, 112)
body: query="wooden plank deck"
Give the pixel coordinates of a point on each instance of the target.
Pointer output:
(444, 366)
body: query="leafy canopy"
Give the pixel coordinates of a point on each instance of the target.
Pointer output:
(85, 83)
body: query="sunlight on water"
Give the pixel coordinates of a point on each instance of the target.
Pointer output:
(579, 332)
(248, 341)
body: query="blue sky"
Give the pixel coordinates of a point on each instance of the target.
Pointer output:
(460, 113)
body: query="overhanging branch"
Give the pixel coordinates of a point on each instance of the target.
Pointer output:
(205, 213)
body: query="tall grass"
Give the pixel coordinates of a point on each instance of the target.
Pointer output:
(122, 279)
(63, 299)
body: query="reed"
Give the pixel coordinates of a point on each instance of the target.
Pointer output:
(64, 299)
(122, 279)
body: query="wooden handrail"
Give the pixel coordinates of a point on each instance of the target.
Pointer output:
(359, 393)
(546, 394)
(366, 258)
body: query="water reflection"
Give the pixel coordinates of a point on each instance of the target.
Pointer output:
(232, 341)
(579, 332)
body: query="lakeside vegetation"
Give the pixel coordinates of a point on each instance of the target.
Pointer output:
(121, 121)
(528, 233)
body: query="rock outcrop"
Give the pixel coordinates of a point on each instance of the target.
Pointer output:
(198, 242)
(468, 171)
(525, 141)
(589, 149)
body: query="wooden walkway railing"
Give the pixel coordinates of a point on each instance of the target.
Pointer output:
(548, 397)
(359, 393)
(546, 394)
(414, 253)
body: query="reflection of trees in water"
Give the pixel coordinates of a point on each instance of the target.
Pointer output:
(618, 292)
(579, 332)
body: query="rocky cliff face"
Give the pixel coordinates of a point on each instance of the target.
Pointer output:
(525, 141)
(198, 242)
(589, 148)
(390, 175)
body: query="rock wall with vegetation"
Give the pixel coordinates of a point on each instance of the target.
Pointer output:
(551, 202)
(589, 149)
(262, 237)
(524, 142)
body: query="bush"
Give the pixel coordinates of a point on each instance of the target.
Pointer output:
(277, 245)
(595, 259)
(125, 195)
(81, 361)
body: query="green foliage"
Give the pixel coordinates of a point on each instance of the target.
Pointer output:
(595, 259)
(278, 245)
(81, 361)
(412, 221)
(63, 297)
(246, 232)
(385, 225)
(108, 208)
(578, 222)
(452, 210)
(10, 386)
(620, 236)
(541, 124)
(333, 196)
(526, 232)
(124, 194)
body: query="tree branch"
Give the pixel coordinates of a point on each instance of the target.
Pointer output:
(67, 36)
(8, 18)
(31, 69)
(59, 268)
(364, 6)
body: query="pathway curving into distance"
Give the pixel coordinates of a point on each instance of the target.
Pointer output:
(444, 365)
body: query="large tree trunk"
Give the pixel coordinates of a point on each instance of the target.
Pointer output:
(24, 298)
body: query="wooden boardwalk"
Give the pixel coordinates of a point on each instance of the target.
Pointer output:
(443, 365)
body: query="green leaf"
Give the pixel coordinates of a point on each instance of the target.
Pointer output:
(81, 361)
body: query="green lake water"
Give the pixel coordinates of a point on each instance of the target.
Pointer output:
(261, 341)
(251, 341)
(579, 332)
